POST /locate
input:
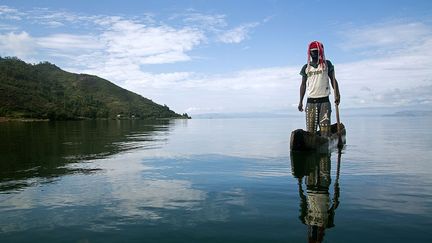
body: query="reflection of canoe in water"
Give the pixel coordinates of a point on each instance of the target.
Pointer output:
(317, 208)
(302, 140)
(303, 163)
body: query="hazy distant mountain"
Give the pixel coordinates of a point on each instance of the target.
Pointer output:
(423, 110)
(412, 113)
(45, 91)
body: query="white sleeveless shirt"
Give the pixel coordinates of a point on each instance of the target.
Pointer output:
(317, 83)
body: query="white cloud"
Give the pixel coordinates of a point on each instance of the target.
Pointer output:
(135, 41)
(161, 44)
(16, 44)
(247, 90)
(10, 13)
(53, 19)
(68, 42)
(254, 79)
(55, 24)
(143, 81)
(209, 22)
(217, 24)
(168, 57)
(122, 38)
(7, 27)
(7, 10)
(381, 38)
(198, 110)
(123, 42)
(402, 67)
(237, 34)
(253, 82)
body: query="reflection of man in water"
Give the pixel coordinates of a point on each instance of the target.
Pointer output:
(316, 211)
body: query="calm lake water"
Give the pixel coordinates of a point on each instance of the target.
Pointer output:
(226, 180)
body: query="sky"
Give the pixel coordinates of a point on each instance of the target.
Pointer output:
(223, 56)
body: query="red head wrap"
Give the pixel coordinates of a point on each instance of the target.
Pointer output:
(321, 57)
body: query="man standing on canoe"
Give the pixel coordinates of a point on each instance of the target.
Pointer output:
(316, 74)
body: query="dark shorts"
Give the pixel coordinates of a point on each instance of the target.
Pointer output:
(318, 112)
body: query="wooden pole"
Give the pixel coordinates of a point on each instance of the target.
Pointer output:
(336, 190)
(336, 90)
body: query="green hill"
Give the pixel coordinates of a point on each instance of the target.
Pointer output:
(44, 91)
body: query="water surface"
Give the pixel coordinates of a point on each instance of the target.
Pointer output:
(215, 180)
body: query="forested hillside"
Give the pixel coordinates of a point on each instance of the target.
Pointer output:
(44, 91)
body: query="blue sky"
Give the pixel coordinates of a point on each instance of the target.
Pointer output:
(230, 56)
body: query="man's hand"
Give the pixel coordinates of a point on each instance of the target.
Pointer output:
(337, 100)
(300, 107)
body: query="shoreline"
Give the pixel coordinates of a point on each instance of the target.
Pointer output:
(7, 119)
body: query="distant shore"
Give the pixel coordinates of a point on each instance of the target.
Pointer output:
(8, 119)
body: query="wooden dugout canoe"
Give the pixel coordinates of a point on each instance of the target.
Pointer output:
(302, 140)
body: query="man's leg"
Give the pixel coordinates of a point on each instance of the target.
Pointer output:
(324, 118)
(311, 117)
